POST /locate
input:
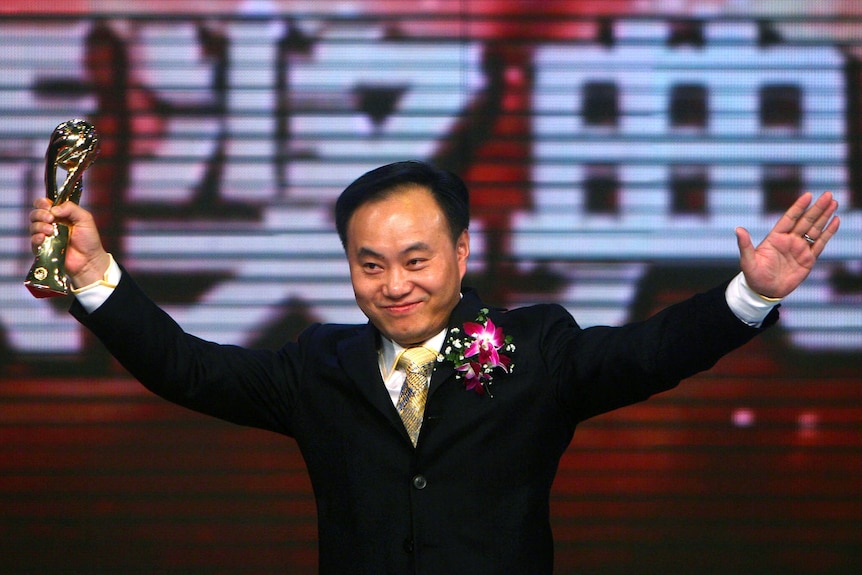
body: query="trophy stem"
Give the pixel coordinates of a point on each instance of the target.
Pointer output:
(74, 145)
(47, 275)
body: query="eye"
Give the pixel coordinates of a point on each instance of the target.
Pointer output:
(371, 267)
(416, 262)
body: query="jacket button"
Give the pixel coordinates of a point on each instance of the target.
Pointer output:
(419, 482)
(408, 545)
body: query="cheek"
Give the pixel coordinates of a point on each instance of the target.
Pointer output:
(362, 289)
(441, 285)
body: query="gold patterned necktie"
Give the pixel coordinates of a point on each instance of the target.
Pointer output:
(418, 362)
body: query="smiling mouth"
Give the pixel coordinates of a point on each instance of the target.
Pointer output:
(401, 308)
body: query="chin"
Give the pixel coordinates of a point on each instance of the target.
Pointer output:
(407, 337)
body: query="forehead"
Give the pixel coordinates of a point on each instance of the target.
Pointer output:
(405, 200)
(407, 210)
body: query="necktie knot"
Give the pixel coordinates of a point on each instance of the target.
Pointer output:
(417, 360)
(418, 363)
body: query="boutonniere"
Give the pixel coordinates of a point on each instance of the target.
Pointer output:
(477, 351)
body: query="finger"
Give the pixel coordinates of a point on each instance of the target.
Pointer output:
(811, 215)
(37, 236)
(821, 222)
(790, 218)
(43, 228)
(39, 215)
(42, 203)
(829, 231)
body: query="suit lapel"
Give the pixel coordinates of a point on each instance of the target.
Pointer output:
(358, 356)
(466, 310)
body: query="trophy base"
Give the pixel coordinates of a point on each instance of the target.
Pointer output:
(43, 291)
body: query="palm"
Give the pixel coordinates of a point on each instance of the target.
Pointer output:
(785, 258)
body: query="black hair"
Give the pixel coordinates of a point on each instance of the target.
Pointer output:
(448, 190)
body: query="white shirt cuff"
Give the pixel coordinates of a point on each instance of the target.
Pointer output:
(94, 295)
(746, 304)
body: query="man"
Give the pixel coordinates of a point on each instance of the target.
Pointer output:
(468, 492)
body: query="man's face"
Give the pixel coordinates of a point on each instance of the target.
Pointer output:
(405, 269)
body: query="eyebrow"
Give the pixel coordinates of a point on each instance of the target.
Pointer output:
(368, 252)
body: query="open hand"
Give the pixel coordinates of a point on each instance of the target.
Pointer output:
(786, 255)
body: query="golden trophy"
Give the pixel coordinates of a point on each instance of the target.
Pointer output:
(73, 147)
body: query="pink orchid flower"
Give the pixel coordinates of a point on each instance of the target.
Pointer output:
(487, 339)
(473, 376)
(476, 355)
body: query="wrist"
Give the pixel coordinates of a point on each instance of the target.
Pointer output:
(766, 298)
(92, 272)
(747, 304)
(765, 295)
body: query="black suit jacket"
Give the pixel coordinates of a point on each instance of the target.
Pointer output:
(473, 496)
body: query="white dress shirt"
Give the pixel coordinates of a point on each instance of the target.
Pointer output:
(390, 351)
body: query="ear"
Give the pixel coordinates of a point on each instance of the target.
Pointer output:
(462, 250)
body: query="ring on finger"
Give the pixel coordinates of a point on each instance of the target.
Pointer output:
(808, 239)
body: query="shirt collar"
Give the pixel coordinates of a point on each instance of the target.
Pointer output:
(389, 350)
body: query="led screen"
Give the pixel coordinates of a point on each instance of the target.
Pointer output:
(610, 150)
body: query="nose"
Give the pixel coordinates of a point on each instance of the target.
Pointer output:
(397, 285)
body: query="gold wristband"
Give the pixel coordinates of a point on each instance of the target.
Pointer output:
(769, 299)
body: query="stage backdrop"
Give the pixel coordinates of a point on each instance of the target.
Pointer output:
(610, 147)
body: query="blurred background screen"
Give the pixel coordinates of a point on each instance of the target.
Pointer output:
(611, 148)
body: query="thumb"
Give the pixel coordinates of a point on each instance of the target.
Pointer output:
(746, 248)
(70, 213)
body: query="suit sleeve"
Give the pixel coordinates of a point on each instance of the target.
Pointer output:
(599, 369)
(247, 387)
